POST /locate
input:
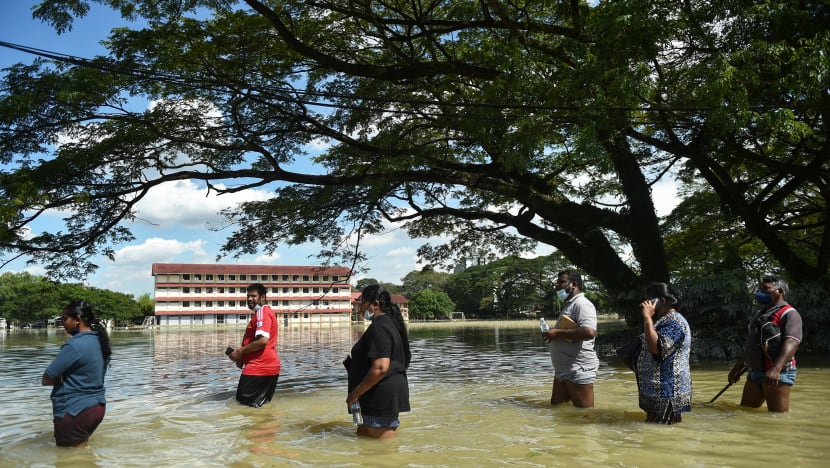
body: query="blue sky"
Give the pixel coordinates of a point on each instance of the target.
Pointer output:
(177, 214)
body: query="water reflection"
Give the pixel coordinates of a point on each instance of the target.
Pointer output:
(479, 396)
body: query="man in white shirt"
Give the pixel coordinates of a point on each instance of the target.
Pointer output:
(572, 350)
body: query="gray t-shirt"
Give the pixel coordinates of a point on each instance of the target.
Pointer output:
(579, 355)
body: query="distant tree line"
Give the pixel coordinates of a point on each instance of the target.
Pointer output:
(27, 298)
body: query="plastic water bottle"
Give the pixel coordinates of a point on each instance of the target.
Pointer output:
(543, 325)
(355, 410)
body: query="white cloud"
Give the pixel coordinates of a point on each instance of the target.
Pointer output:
(268, 259)
(156, 249)
(26, 233)
(388, 238)
(318, 145)
(664, 196)
(186, 203)
(132, 268)
(403, 251)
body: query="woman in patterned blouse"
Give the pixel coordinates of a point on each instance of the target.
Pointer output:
(663, 377)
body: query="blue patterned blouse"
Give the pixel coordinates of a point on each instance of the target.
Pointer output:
(664, 381)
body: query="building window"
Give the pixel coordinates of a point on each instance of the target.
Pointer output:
(295, 278)
(325, 303)
(315, 303)
(222, 278)
(241, 277)
(285, 277)
(220, 319)
(197, 303)
(221, 290)
(243, 317)
(285, 290)
(305, 278)
(275, 290)
(274, 277)
(186, 290)
(208, 303)
(305, 290)
(220, 303)
(231, 303)
(232, 277)
(209, 290)
(285, 303)
(325, 277)
(253, 278)
(296, 290)
(231, 290)
(197, 276)
(185, 303)
(209, 277)
(186, 276)
(315, 290)
(197, 290)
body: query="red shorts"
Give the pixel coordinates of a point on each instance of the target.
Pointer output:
(73, 430)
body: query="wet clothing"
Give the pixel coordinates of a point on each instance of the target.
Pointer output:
(580, 376)
(578, 356)
(382, 422)
(790, 325)
(79, 371)
(261, 369)
(664, 381)
(390, 396)
(786, 377)
(265, 362)
(256, 390)
(72, 430)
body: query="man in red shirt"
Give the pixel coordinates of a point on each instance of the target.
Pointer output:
(258, 355)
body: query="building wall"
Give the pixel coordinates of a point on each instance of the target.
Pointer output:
(212, 294)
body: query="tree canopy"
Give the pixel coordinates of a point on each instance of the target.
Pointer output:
(31, 298)
(430, 304)
(426, 278)
(494, 125)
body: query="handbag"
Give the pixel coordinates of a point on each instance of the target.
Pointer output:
(628, 352)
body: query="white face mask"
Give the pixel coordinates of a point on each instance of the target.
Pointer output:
(368, 314)
(562, 294)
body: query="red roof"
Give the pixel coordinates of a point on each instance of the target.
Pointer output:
(396, 298)
(218, 268)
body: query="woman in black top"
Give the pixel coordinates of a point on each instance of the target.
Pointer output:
(377, 368)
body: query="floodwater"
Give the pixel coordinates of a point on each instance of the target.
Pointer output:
(479, 392)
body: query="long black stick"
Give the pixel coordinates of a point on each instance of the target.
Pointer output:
(728, 385)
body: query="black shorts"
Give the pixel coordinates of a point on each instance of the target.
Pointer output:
(256, 390)
(73, 430)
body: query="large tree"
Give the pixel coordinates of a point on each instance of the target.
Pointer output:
(426, 278)
(430, 304)
(496, 124)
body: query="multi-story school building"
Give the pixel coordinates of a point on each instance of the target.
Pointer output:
(196, 294)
